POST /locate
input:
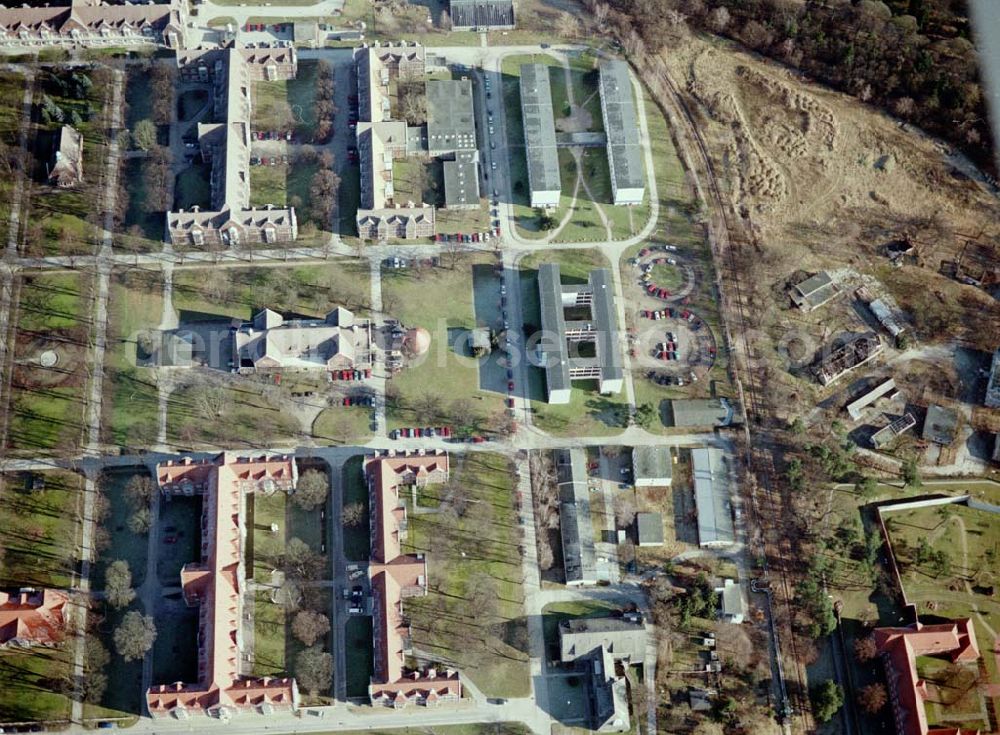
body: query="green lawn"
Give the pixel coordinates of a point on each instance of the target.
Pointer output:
(270, 637)
(283, 104)
(12, 90)
(125, 545)
(439, 299)
(193, 188)
(131, 398)
(357, 540)
(27, 681)
(143, 225)
(237, 415)
(202, 294)
(40, 528)
(343, 425)
(292, 522)
(124, 695)
(180, 516)
(360, 655)
(174, 658)
(473, 614)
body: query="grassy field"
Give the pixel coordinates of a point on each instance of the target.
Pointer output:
(131, 398)
(473, 614)
(280, 105)
(47, 404)
(343, 425)
(202, 294)
(439, 299)
(234, 415)
(357, 539)
(360, 654)
(12, 90)
(125, 545)
(27, 681)
(40, 528)
(292, 522)
(282, 185)
(271, 640)
(192, 187)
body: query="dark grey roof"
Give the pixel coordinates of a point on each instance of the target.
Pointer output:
(575, 525)
(622, 638)
(621, 124)
(940, 424)
(461, 182)
(539, 128)
(606, 322)
(649, 527)
(553, 327)
(450, 122)
(482, 14)
(652, 463)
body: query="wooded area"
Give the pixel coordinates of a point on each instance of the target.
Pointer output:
(914, 58)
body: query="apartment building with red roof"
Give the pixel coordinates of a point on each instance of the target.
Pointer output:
(900, 648)
(30, 617)
(395, 576)
(216, 584)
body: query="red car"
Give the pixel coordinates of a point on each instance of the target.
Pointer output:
(510, 385)
(170, 539)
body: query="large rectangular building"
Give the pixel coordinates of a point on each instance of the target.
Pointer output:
(451, 124)
(484, 15)
(711, 498)
(540, 136)
(560, 348)
(621, 125)
(225, 144)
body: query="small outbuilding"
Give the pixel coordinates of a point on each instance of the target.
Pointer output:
(649, 529)
(940, 425)
(652, 466)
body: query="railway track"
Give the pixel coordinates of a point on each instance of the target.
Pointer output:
(769, 543)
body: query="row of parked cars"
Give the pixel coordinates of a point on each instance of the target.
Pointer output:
(276, 27)
(285, 135)
(409, 433)
(359, 374)
(470, 237)
(367, 401)
(268, 160)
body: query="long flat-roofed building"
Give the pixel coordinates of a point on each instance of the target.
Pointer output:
(494, 15)
(231, 221)
(560, 349)
(396, 576)
(216, 585)
(711, 498)
(621, 125)
(271, 342)
(540, 136)
(576, 528)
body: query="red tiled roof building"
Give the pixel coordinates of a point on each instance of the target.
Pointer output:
(215, 585)
(32, 617)
(395, 576)
(900, 647)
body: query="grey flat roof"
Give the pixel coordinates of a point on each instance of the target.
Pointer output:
(607, 330)
(461, 182)
(711, 497)
(539, 128)
(554, 326)
(652, 463)
(450, 122)
(579, 555)
(621, 124)
(582, 636)
(649, 527)
(702, 412)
